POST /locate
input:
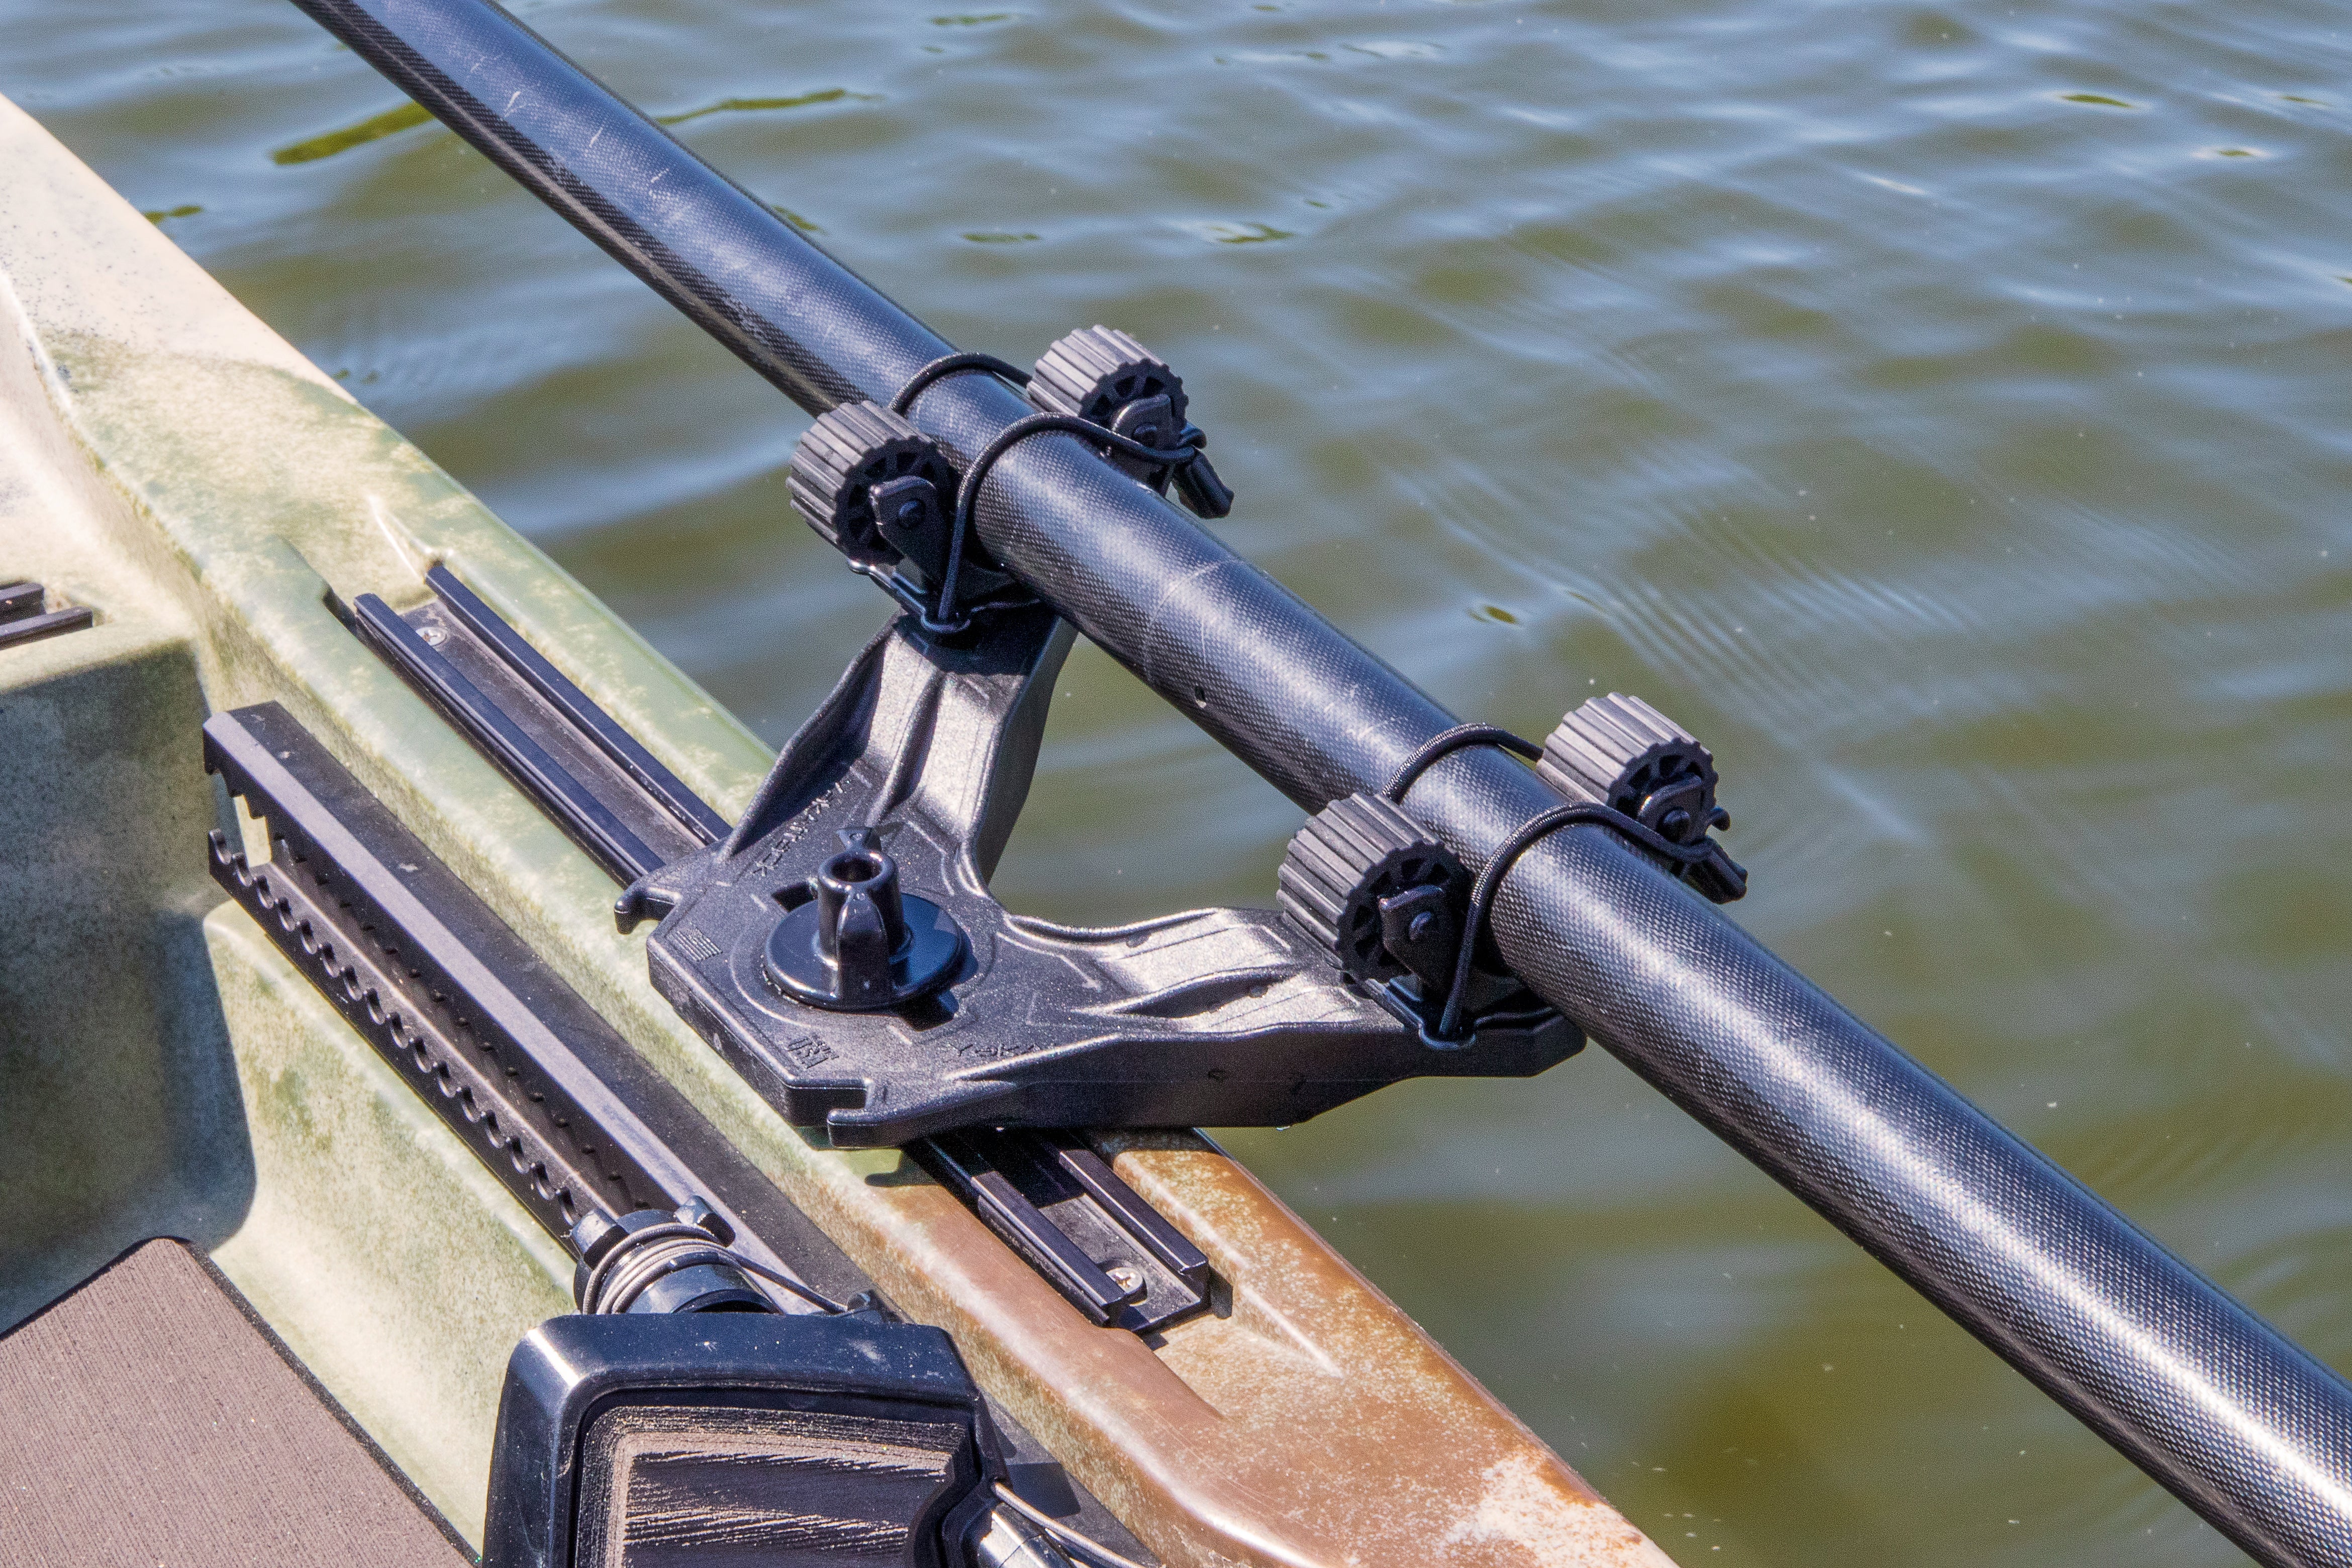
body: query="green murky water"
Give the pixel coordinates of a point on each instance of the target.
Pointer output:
(1940, 407)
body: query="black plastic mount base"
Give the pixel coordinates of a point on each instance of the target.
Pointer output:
(1215, 1017)
(1049, 1195)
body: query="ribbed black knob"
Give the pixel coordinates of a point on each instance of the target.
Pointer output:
(1621, 751)
(840, 459)
(1350, 857)
(1094, 372)
(1106, 377)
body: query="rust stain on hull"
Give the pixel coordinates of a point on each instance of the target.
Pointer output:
(1305, 1423)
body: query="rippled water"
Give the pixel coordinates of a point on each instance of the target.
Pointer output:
(1941, 408)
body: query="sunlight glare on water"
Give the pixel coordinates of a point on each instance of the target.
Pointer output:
(1940, 408)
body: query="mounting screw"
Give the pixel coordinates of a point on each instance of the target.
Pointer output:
(706, 1219)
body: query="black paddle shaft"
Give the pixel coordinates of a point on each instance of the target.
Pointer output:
(2234, 1419)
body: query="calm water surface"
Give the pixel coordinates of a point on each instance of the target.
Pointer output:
(1940, 408)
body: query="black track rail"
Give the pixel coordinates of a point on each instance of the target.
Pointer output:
(24, 619)
(543, 1091)
(606, 791)
(2238, 1423)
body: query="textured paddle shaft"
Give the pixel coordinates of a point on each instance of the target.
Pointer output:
(2211, 1401)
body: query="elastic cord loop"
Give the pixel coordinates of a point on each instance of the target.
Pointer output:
(1011, 435)
(948, 365)
(1490, 880)
(785, 1281)
(1445, 745)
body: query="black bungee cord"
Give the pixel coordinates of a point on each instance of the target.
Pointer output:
(947, 365)
(943, 619)
(1011, 435)
(1446, 744)
(1524, 838)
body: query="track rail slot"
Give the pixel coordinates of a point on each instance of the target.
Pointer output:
(1056, 1202)
(589, 775)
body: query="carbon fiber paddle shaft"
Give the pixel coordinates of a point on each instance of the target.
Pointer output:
(2214, 1403)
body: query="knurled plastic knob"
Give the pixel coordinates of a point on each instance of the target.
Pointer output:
(1093, 372)
(1348, 856)
(840, 459)
(1622, 752)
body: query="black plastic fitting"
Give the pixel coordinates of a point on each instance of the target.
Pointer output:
(859, 942)
(1106, 377)
(1376, 891)
(1621, 752)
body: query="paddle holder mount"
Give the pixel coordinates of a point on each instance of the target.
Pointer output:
(842, 950)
